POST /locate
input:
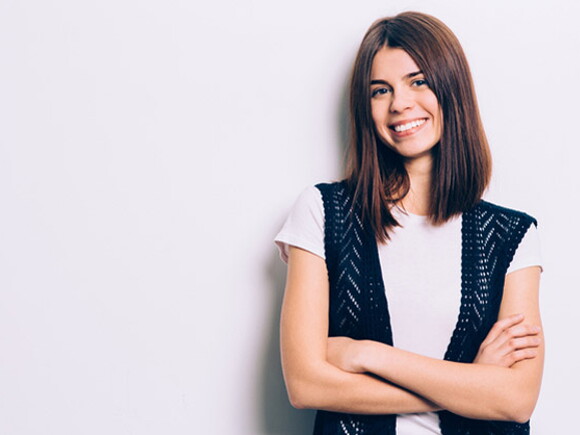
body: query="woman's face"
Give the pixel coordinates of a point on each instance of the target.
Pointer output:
(405, 111)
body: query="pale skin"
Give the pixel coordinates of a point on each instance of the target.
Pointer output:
(333, 373)
(329, 373)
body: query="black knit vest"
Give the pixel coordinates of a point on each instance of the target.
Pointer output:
(490, 235)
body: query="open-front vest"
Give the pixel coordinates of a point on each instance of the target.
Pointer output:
(358, 307)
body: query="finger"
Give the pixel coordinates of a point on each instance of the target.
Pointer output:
(517, 331)
(502, 325)
(523, 343)
(523, 330)
(520, 355)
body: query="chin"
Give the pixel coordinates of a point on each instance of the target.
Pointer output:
(411, 152)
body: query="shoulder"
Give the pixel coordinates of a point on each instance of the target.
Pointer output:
(497, 226)
(332, 188)
(336, 195)
(506, 236)
(304, 226)
(308, 206)
(309, 196)
(501, 213)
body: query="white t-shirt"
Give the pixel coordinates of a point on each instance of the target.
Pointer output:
(421, 267)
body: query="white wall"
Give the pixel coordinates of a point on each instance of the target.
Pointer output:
(150, 150)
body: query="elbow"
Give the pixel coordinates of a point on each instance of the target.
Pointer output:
(298, 401)
(300, 395)
(518, 410)
(521, 413)
(516, 416)
(523, 419)
(513, 400)
(307, 388)
(509, 404)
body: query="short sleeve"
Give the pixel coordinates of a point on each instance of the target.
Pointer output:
(304, 227)
(528, 252)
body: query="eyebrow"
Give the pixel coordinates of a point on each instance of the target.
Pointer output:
(408, 76)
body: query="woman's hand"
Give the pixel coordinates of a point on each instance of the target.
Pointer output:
(505, 378)
(345, 353)
(508, 342)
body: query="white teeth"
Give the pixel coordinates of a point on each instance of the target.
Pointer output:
(412, 124)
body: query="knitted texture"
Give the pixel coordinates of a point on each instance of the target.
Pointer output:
(358, 306)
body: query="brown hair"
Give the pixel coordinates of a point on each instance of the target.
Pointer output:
(461, 160)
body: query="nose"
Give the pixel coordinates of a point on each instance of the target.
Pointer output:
(402, 100)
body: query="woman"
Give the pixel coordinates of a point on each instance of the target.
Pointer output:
(411, 305)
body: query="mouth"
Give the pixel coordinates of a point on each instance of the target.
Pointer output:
(406, 128)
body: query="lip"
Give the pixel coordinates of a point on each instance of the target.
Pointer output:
(406, 132)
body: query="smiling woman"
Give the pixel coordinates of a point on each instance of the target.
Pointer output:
(411, 304)
(405, 110)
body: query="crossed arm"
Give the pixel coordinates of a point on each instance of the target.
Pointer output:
(332, 374)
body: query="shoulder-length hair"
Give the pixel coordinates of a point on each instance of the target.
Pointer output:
(461, 160)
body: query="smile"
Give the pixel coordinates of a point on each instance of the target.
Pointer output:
(399, 128)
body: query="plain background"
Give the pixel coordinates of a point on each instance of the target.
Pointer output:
(149, 152)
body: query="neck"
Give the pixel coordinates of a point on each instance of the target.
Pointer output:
(419, 170)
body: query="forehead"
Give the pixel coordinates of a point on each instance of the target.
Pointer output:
(392, 63)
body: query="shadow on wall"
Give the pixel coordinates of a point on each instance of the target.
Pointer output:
(278, 416)
(343, 125)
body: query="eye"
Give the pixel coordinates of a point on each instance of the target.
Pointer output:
(379, 91)
(420, 82)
